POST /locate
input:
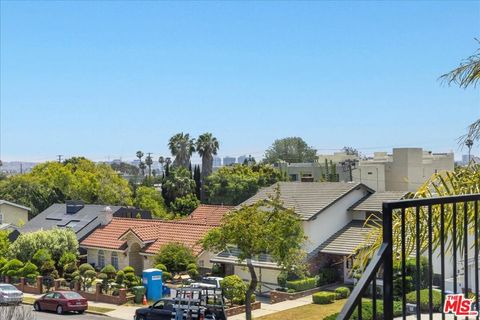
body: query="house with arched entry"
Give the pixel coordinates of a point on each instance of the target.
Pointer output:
(134, 242)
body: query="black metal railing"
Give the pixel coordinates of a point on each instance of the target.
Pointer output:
(444, 228)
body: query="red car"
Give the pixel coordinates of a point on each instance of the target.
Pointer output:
(61, 301)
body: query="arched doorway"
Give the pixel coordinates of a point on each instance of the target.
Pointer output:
(135, 259)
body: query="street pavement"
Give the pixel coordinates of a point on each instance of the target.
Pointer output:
(67, 316)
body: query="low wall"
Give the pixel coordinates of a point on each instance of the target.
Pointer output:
(25, 287)
(241, 309)
(97, 296)
(280, 296)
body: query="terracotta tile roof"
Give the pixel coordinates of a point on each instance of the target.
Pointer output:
(156, 233)
(208, 214)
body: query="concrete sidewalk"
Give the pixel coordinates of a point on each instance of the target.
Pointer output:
(120, 312)
(268, 308)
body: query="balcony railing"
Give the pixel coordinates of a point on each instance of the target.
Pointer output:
(445, 228)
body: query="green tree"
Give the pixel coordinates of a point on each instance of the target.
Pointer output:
(4, 244)
(197, 179)
(125, 168)
(175, 256)
(149, 162)
(207, 147)
(148, 198)
(185, 205)
(41, 256)
(264, 227)
(465, 75)
(234, 289)
(181, 147)
(56, 241)
(178, 184)
(234, 184)
(291, 150)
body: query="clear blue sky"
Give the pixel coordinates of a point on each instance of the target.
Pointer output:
(108, 78)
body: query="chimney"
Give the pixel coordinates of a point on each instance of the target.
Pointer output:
(106, 216)
(73, 206)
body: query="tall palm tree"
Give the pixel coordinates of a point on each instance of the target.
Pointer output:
(207, 147)
(141, 165)
(182, 147)
(149, 162)
(465, 75)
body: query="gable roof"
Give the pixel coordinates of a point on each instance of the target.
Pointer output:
(156, 233)
(82, 222)
(307, 198)
(373, 202)
(346, 240)
(14, 205)
(207, 214)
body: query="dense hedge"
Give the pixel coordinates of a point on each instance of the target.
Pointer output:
(302, 284)
(424, 305)
(367, 310)
(342, 292)
(326, 276)
(323, 297)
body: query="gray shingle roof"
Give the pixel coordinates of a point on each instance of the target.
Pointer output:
(306, 198)
(83, 222)
(345, 241)
(373, 203)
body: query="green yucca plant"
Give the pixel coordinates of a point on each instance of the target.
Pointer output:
(463, 180)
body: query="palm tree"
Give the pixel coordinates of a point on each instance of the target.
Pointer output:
(161, 160)
(149, 162)
(467, 74)
(182, 147)
(141, 165)
(207, 147)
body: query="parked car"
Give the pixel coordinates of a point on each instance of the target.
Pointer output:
(10, 294)
(160, 310)
(61, 301)
(208, 282)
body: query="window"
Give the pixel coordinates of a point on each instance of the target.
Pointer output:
(1, 218)
(101, 259)
(115, 260)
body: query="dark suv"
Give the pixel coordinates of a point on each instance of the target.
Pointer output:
(160, 310)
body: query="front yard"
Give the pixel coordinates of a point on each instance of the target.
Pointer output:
(307, 312)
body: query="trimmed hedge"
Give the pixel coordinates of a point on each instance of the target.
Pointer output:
(302, 284)
(342, 292)
(424, 305)
(323, 297)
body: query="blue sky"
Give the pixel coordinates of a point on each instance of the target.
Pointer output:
(104, 79)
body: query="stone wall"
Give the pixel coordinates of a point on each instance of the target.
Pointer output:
(241, 309)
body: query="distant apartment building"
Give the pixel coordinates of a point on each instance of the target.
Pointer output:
(466, 159)
(314, 171)
(241, 159)
(337, 157)
(404, 170)
(227, 161)
(217, 161)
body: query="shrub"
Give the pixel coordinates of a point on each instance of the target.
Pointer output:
(331, 317)
(29, 270)
(67, 258)
(175, 256)
(342, 292)
(160, 266)
(166, 276)
(217, 270)
(282, 279)
(323, 297)
(128, 269)
(326, 276)
(234, 289)
(410, 275)
(3, 262)
(110, 271)
(40, 257)
(185, 205)
(302, 284)
(120, 277)
(424, 304)
(12, 267)
(69, 270)
(367, 310)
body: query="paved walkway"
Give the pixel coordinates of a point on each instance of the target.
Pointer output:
(268, 308)
(120, 312)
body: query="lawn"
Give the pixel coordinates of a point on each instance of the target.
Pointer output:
(307, 312)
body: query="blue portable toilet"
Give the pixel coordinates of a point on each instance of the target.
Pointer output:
(152, 281)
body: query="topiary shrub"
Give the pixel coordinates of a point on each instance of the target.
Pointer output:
(161, 266)
(342, 292)
(424, 304)
(166, 276)
(110, 271)
(192, 270)
(128, 269)
(29, 270)
(323, 297)
(234, 289)
(119, 279)
(12, 268)
(302, 284)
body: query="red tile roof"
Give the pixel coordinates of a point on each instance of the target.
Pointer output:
(158, 232)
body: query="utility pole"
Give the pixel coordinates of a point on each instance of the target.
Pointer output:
(60, 158)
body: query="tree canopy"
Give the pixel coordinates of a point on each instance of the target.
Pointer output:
(232, 185)
(178, 183)
(76, 178)
(264, 227)
(148, 198)
(175, 256)
(291, 150)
